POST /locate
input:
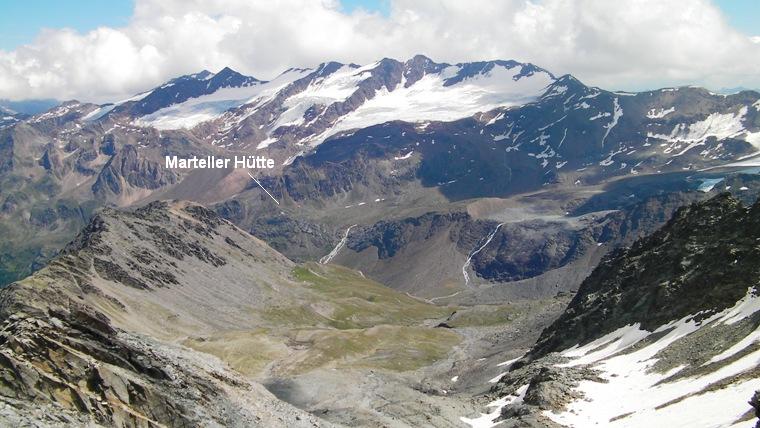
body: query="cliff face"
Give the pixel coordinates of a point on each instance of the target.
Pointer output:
(126, 170)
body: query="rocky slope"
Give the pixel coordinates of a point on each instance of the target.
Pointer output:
(73, 335)
(169, 315)
(667, 325)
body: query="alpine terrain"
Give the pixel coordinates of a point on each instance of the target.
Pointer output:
(450, 245)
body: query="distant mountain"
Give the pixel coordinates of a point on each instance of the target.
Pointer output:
(309, 105)
(735, 90)
(302, 108)
(181, 89)
(29, 107)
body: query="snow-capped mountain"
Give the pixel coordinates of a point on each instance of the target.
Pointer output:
(309, 105)
(181, 89)
(576, 126)
(519, 104)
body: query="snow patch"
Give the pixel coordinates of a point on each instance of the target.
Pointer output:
(659, 113)
(718, 125)
(266, 143)
(636, 396)
(486, 420)
(406, 156)
(616, 115)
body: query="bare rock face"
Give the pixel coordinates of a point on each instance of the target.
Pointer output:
(128, 169)
(73, 361)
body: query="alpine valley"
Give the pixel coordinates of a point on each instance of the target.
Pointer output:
(450, 245)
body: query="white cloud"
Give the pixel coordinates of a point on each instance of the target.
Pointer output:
(630, 44)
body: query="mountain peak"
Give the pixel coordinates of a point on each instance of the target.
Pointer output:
(420, 58)
(201, 75)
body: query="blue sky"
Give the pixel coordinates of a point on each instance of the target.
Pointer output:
(382, 6)
(21, 21)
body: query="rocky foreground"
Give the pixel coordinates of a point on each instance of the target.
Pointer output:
(68, 358)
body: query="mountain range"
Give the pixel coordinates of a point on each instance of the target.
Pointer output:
(432, 221)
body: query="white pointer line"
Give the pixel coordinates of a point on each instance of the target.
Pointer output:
(262, 188)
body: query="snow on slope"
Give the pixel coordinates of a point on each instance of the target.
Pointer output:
(635, 396)
(718, 125)
(429, 99)
(486, 420)
(333, 88)
(659, 113)
(208, 107)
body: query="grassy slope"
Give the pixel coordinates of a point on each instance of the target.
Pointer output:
(350, 322)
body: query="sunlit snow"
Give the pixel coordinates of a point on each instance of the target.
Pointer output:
(208, 107)
(429, 99)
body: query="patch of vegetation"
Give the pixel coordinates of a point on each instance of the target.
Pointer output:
(359, 302)
(248, 352)
(486, 316)
(397, 348)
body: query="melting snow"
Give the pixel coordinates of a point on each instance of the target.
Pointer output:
(616, 115)
(486, 420)
(508, 363)
(634, 396)
(429, 99)
(472, 254)
(326, 259)
(718, 125)
(600, 115)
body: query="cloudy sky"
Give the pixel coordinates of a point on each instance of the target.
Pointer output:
(105, 51)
